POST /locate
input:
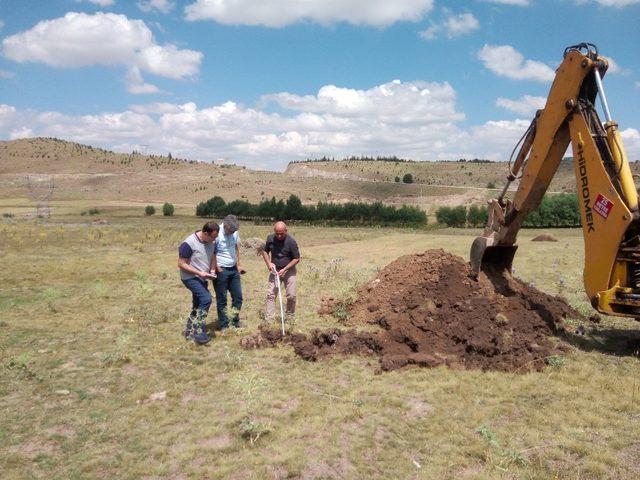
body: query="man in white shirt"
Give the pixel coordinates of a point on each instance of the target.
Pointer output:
(226, 262)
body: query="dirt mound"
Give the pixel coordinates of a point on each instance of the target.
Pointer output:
(431, 312)
(544, 237)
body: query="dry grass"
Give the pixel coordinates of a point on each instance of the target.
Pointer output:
(90, 321)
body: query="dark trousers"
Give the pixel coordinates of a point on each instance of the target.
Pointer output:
(228, 281)
(200, 293)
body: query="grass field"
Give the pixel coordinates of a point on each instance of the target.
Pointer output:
(96, 381)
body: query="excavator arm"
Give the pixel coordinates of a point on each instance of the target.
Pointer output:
(606, 192)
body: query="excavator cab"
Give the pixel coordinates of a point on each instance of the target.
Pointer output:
(606, 192)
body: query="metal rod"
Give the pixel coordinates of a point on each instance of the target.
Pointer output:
(603, 98)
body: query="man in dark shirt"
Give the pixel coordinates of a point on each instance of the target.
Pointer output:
(285, 255)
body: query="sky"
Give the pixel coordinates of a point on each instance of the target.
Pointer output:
(263, 82)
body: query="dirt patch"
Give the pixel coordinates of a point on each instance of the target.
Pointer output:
(544, 237)
(431, 312)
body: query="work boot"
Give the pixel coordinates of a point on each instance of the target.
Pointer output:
(189, 331)
(200, 329)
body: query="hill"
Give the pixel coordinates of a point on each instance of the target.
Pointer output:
(90, 174)
(82, 172)
(471, 174)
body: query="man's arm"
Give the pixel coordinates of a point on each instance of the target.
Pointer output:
(289, 266)
(240, 269)
(267, 261)
(183, 264)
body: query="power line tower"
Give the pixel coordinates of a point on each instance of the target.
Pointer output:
(41, 190)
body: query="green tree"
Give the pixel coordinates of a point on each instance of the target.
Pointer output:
(150, 210)
(408, 178)
(477, 216)
(167, 210)
(293, 209)
(452, 216)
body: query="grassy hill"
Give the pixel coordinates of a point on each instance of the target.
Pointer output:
(467, 174)
(90, 176)
(97, 176)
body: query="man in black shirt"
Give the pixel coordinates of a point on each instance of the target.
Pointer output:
(285, 255)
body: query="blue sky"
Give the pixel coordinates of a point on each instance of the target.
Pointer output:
(261, 83)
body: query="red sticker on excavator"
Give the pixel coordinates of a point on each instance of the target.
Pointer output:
(603, 206)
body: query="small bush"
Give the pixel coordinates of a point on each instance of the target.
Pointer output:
(397, 179)
(8, 215)
(408, 178)
(452, 216)
(94, 211)
(491, 185)
(150, 210)
(167, 210)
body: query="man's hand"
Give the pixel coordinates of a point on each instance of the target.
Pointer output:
(271, 267)
(204, 275)
(213, 274)
(282, 272)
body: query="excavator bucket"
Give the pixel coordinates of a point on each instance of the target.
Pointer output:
(493, 258)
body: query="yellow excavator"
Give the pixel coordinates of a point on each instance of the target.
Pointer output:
(606, 191)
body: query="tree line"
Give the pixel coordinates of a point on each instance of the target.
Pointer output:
(554, 211)
(293, 209)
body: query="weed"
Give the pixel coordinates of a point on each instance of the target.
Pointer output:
(21, 364)
(556, 361)
(487, 435)
(252, 429)
(341, 312)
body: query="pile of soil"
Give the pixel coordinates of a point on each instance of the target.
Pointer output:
(544, 237)
(430, 311)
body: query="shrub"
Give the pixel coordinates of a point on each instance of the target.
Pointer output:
(8, 215)
(408, 178)
(94, 211)
(491, 185)
(150, 210)
(167, 210)
(397, 179)
(556, 211)
(452, 216)
(477, 216)
(293, 209)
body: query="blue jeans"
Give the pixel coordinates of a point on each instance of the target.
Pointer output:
(228, 281)
(200, 292)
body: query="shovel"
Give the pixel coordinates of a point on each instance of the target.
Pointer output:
(275, 272)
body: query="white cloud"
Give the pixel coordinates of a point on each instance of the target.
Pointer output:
(462, 24)
(519, 3)
(631, 140)
(80, 40)
(526, 105)
(162, 6)
(6, 74)
(418, 120)
(611, 3)
(614, 67)
(136, 84)
(452, 26)
(100, 3)
(506, 61)
(278, 13)
(7, 116)
(23, 132)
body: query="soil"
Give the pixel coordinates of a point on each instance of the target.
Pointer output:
(429, 311)
(544, 237)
